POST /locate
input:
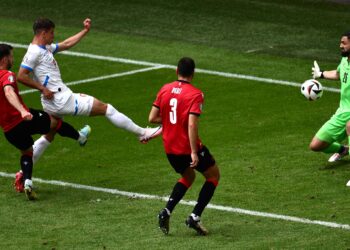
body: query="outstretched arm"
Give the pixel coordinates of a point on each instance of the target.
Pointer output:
(318, 73)
(73, 40)
(331, 75)
(14, 101)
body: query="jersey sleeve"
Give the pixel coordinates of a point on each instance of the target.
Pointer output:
(338, 68)
(197, 104)
(30, 60)
(53, 48)
(158, 99)
(8, 79)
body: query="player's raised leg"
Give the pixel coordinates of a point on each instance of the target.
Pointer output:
(120, 120)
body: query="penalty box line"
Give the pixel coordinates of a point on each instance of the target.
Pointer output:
(204, 71)
(189, 203)
(99, 78)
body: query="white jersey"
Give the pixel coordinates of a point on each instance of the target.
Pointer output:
(40, 61)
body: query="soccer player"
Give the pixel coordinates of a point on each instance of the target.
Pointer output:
(17, 121)
(177, 107)
(329, 137)
(57, 99)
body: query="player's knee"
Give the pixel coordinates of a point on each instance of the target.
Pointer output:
(312, 147)
(213, 180)
(189, 175)
(218, 175)
(98, 108)
(212, 175)
(315, 146)
(103, 107)
(50, 136)
(186, 182)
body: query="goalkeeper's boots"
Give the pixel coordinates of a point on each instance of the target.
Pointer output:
(338, 156)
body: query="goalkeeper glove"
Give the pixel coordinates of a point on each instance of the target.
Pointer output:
(316, 72)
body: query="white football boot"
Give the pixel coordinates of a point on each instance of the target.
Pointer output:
(150, 133)
(338, 156)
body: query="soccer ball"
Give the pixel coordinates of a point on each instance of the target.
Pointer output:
(312, 89)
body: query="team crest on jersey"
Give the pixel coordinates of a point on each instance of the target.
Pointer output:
(11, 78)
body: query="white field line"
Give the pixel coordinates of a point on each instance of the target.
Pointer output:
(132, 72)
(189, 203)
(204, 71)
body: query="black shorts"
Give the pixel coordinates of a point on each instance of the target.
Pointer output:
(181, 162)
(21, 135)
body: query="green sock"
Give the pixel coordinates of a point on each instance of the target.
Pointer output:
(333, 148)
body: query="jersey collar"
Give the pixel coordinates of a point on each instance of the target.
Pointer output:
(183, 81)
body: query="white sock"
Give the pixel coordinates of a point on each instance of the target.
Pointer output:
(195, 217)
(39, 147)
(122, 121)
(28, 182)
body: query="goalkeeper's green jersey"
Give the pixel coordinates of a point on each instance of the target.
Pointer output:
(344, 73)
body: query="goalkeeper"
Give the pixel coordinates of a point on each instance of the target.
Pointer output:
(329, 137)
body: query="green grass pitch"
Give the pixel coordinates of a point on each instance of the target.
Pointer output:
(259, 133)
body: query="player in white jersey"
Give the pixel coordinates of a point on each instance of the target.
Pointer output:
(57, 99)
(39, 59)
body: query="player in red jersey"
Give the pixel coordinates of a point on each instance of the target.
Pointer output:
(177, 107)
(19, 123)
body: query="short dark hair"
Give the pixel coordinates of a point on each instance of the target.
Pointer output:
(42, 24)
(347, 34)
(186, 66)
(5, 50)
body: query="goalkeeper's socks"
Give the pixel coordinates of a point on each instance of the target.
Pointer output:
(342, 149)
(333, 148)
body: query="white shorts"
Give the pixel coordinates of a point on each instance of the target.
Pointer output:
(77, 104)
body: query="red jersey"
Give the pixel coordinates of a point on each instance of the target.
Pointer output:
(9, 116)
(176, 101)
